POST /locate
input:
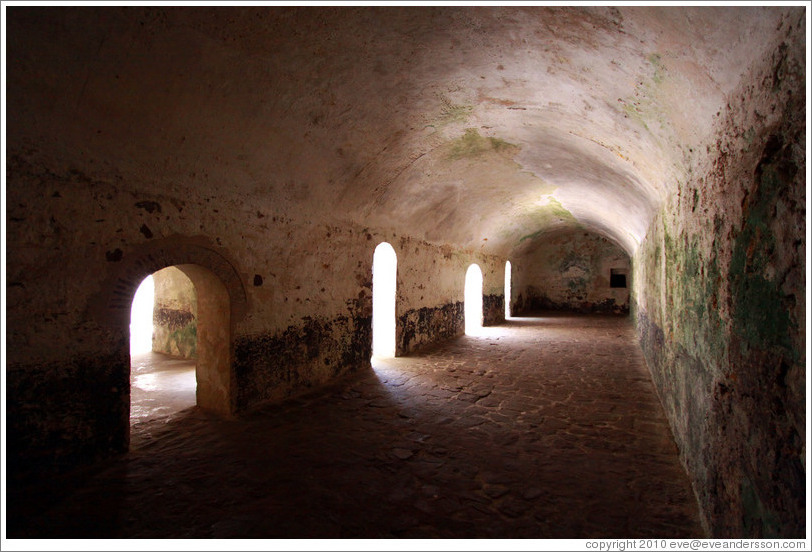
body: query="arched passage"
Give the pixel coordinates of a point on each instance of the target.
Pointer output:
(571, 270)
(384, 292)
(213, 344)
(163, 346)
(473, 299)
(221, 301)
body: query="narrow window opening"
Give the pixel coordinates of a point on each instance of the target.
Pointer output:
(163, 343)
(507, 289)
(473, 300)
(384, 293)
(617, 278)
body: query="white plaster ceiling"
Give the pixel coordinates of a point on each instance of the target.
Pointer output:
(479, 126)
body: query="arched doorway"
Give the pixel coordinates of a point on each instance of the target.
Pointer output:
(213, 376)
(384, 293)
(473, 300)
(163, 346)
(221, 302)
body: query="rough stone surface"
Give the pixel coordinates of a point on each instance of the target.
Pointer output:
(493, 309)
(571, 271)
(544, 427)
(174, 314)
(52, 423)
(720, 307)
(417, 328)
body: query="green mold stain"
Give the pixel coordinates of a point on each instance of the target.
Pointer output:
(750, 135)
(472, 144)
(532, 236)
(558, 210)
(634, 107)
(634, 113)
(452, 113)
(759, 315)
(577, 287)
(690, 280)
(552, 212)
(659, 70)
(755, 515)
(185, 338)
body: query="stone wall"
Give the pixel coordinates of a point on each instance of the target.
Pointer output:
(720, 295)
(493, 309)
(420, 324)
(175, 314)
(571, 271)
(300, 296)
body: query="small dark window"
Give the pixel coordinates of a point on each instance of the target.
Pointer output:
(617, 278)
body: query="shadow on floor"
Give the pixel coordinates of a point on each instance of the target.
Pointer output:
(537, 429)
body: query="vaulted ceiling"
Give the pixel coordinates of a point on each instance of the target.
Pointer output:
(484, 127)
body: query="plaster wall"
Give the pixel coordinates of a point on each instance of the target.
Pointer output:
(719, 296)
(300, 294)
(174, 314)
(571, 271)
(432, 308)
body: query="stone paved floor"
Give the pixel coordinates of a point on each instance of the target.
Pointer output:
(543, 428)
(160, 386)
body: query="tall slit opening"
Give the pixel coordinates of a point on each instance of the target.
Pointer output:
(384, 292)
(507, 289)
(473, 300)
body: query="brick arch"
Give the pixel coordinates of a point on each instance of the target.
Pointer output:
(221, 302)
(158, 254)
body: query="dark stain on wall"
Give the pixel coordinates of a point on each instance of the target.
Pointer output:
(149, 206)
(726, 349)
(175, 332)
(173, 319)
(65, 414)
(273, 366)
(493, 310)
(536, 301)
(761, 316)
(421, 327)
(768, 365)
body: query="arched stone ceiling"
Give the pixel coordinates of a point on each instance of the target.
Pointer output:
(480, 126)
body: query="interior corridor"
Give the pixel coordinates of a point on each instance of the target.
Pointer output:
(544, 427)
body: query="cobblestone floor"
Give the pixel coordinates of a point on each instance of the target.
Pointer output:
(545, 427)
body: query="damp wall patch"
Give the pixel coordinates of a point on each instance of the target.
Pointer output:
(719, 301)
(572, 271)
